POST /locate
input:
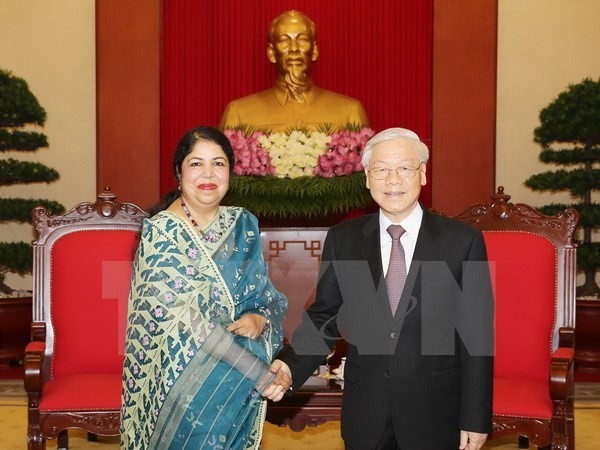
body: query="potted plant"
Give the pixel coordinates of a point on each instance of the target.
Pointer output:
(20, 111)
(569, 134)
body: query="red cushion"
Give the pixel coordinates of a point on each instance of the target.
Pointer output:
(564, 353)
(522, 398)
(88, 392)
(523, 269)
(90, 280)
(35, 346)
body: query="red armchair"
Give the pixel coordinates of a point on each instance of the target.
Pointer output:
(532, 260)
(81, 273)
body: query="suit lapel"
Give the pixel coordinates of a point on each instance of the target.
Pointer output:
(427, 249)
(428, 246)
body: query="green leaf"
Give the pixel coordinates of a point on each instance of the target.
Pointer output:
(18, 106)
(588, 256)
(23, 172)
(578, 181)
(298, 197)
(574, 116)
(19, 210)
(16, 257)
(571, 156)
(21, 140)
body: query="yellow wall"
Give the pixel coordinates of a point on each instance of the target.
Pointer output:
(51, 45)
(543, 46)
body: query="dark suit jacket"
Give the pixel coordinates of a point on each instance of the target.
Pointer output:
(429, 368)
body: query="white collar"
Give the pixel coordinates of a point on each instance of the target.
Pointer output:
(412, 223)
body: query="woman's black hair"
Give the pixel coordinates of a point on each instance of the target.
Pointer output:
(185, 146)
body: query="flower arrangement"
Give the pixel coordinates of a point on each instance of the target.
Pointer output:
(298, 173)
(298, 153)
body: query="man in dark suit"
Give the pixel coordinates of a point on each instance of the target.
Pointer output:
(416, 309)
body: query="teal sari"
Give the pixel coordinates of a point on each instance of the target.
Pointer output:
(188, 383)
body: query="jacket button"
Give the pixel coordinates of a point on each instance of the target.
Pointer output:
(394, 335)
(386, 374)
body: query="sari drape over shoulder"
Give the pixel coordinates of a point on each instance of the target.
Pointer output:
(188, 383)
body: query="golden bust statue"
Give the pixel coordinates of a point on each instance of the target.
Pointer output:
(294, 101)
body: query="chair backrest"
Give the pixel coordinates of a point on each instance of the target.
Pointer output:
(532, 264)
(82, 273)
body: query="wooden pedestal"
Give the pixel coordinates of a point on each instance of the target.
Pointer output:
(587, 336)
(15, 324)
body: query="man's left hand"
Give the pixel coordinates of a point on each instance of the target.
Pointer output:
(469, 440)
(282, 382)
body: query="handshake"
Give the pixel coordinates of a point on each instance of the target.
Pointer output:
(281, 381)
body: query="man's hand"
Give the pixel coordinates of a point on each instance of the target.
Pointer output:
(281, 383)
(249, 325)
(470, 440)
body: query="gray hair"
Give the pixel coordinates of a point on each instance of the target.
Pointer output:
(395, 133)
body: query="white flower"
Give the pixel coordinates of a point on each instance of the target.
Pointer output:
(296, 154)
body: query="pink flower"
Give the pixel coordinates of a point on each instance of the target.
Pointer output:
(251, 158)
(343, 155)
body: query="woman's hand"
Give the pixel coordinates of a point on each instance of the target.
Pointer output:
(249, 325)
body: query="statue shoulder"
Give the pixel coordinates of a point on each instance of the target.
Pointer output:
(353, 108)
(329, 96)
(238, 111)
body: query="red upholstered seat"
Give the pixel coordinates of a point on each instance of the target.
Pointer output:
(86, 392)
(522, 398)
(82, 273)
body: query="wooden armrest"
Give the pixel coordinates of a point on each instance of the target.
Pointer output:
(32, 362)
(561, 373)
(566, 337)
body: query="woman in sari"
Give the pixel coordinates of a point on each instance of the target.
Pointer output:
(204, 320)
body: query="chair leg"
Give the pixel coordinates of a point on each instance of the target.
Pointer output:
(35, 441)
(523, 442)
(63, 440)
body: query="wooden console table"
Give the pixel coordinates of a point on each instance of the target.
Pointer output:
(317, 402)
(294, 256)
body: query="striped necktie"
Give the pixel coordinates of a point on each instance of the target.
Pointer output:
(396, 273)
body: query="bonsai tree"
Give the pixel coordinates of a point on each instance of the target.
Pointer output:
(20, 108)
(573, 120)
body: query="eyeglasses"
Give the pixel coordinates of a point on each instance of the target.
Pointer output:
(404, 172)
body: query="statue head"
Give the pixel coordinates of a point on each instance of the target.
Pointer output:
(292, 46)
